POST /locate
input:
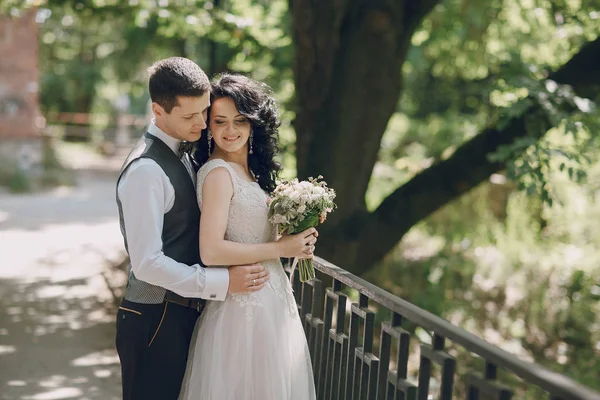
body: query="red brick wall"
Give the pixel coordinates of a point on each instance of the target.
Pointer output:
(19, 77)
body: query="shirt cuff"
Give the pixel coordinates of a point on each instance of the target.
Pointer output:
(216, 284)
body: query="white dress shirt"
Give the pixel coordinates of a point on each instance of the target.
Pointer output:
(145, 190)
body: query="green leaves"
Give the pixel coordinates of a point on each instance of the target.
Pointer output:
(94, 51)
(545, 104)
(310, 221)
(530, 162)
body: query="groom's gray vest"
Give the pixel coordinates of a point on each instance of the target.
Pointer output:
(181, 223)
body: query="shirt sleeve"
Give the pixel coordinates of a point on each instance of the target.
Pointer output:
(216, 283)
(146, 194)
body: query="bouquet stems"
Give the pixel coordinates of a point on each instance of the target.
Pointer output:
(306, 270)
(305, 266)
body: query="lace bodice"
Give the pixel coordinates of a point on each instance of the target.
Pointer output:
(248, 223)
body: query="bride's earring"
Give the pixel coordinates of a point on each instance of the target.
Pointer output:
(209, 136)
(251, 139)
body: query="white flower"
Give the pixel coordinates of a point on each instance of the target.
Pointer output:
(319, 191)
(293, 200)
(279, 219)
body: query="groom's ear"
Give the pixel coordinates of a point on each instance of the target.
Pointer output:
(158, 110)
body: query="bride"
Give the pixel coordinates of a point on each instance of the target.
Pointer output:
(250, 346)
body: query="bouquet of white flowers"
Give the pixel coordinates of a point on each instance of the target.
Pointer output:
(296, 206)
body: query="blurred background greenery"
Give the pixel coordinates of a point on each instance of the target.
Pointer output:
(461, 136)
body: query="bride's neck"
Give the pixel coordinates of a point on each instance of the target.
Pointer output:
(237, 158)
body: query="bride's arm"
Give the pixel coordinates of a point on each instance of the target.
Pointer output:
(217, 191)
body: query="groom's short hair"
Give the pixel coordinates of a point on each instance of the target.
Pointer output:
(173, 77)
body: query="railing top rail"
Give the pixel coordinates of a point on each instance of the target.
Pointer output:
(556, 383)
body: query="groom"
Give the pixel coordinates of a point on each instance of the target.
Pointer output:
(160, 218)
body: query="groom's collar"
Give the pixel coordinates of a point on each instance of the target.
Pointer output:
(168, 140)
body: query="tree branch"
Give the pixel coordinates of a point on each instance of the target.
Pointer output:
(417, 10)
(449, 179)
(580, 72)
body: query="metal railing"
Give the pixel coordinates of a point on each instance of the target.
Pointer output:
(342, 340)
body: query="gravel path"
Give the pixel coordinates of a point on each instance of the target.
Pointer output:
(56, 312)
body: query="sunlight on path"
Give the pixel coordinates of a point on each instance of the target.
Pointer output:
(56, 327)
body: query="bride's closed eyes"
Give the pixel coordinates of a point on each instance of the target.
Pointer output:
(237, 121)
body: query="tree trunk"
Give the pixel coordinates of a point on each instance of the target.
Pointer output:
(214, 65)
(348, 73)
(349, 57)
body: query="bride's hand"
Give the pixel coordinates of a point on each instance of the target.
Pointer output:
(301, 245)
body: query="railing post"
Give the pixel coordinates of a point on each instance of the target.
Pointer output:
(435, 353)
(486, 385)
(352, 342)
(315, 323)
(393, 384)
(326, 372)
(338, 342)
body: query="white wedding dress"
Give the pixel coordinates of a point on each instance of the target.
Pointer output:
(249, 346)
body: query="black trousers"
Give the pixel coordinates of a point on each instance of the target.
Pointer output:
(153, 342)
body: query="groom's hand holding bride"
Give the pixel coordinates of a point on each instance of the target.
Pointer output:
(247, 278)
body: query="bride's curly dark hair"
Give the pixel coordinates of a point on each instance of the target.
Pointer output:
(254, 100)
